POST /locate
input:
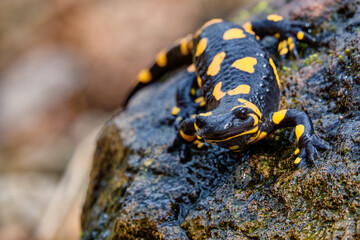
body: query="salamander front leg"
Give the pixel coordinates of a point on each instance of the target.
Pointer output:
(308, 142)
(185, 135)
(186, 94)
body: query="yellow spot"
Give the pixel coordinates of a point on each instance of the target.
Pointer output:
(148, 162)
(274, 18)
(262, 135)
(297, 160)
(201, 46)
(282, 44)
(256, 119)
(257, 137)
(144, 76)
(184, 46)
(297, 151)
(290, 43)
(198, 144)
(193, 116)
(245, 64)
(234, 147)
(299, 130)
(199, 82)
(241, 89)
(300, 35)
(199, 99)
(253, 130)
(191, 68)
(186, 137)
(279, 116)
(257, 37)
(206, 114)
(234, 33)
(283, 51)
(208, 23)
(211, 22)
(248, 28)
(195, 126)
(190, 45)
(275, 71)
(193, 91)
(253, 139)
(247, 104)
(161, 59)
(175, 110)
(282, 47)
(214, 66)
(217, 93)
(198, 137)
(178, 119)
(277, 35)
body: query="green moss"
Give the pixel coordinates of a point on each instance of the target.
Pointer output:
(345, 150)
(348, 52)
(341, 58)
(261, 6)
(285, 68)
(244, 14)
(311, 59)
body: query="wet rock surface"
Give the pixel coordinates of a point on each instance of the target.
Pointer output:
(140, 191)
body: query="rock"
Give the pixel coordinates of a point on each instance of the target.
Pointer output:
(140, 191)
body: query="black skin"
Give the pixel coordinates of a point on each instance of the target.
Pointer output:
(240, 102)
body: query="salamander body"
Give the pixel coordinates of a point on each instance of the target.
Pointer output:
(231, 93)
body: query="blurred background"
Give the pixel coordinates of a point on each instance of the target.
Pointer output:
(65, 68)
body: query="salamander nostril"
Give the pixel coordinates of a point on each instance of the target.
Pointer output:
(200, 121)
(228, 125)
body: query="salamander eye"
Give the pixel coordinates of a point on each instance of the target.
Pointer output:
(242, 113)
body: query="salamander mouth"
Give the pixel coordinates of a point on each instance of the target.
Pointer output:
(227, 135)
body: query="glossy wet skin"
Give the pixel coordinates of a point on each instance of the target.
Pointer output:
(232, 64)
(240, 84)
(228, 128)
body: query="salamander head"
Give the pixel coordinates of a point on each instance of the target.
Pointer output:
(233, 128)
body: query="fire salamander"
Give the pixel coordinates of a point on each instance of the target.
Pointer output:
(230, 96)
